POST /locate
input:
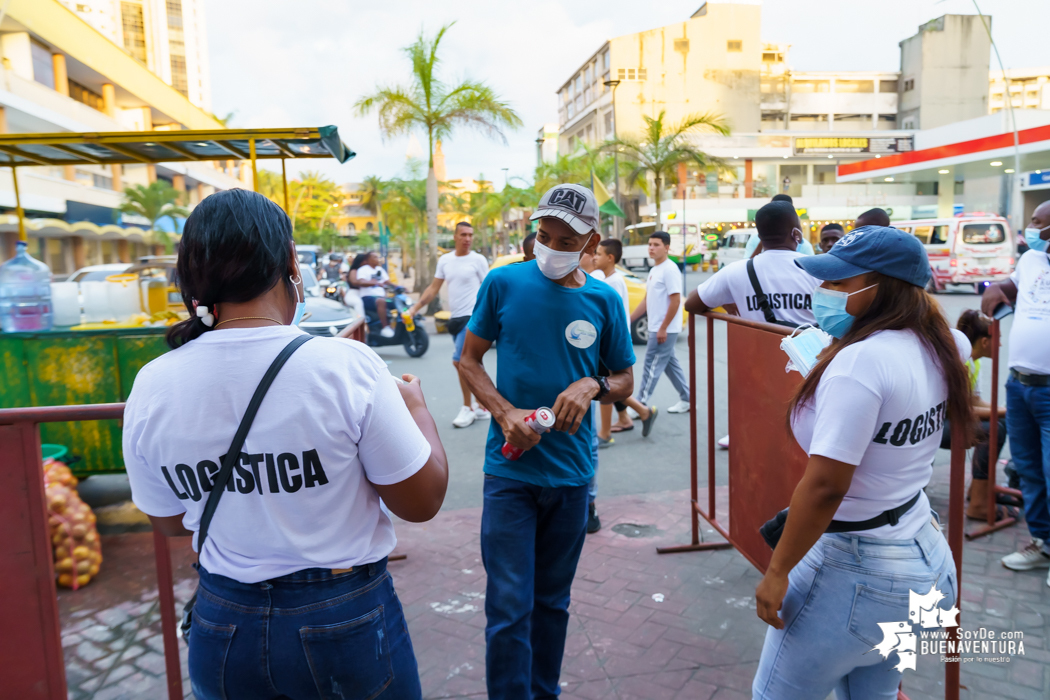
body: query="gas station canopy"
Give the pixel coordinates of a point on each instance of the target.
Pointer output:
(976, 158)
(171, 146)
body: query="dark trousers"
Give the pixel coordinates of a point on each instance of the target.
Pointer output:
(310, 634)
(979, 465)
(531, 539)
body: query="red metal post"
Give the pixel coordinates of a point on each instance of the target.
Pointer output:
(694, 487)
(994, 489)
(956, 506)
(166, 594)
(711, 419)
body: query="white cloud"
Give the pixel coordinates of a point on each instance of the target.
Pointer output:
(305, 63)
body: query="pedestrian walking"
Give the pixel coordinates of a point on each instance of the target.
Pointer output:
(860, 540)
(769, 287)
(1028, 387)
(294, 599)
(663, 306)
(830, 235)
(465, 270)
(554, 325)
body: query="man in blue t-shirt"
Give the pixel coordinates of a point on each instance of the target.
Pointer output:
(554, 323)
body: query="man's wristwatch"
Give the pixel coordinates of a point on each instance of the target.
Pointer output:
(603, 386)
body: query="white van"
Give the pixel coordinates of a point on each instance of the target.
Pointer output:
(972, 249)
(636, 244)
(733, 245)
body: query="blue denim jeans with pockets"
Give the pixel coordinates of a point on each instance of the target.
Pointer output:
(531, 539)
(837, 595)
(306, 635)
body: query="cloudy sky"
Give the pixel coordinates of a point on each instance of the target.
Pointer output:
(305, 63)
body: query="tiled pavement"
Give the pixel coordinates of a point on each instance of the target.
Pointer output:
(643, 625)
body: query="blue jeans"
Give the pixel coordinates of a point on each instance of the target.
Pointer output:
(1028, 422)
(531, 539)
(458, 340)
(837, 595)
(310, 634)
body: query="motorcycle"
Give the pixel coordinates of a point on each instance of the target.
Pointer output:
(408, 331)
(335, 290)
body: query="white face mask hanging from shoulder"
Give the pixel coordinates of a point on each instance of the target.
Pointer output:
(556, 264)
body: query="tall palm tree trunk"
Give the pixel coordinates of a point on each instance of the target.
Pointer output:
(432, 218)
(656, 191)
(418, 267)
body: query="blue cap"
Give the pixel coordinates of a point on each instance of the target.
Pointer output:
(882, 249)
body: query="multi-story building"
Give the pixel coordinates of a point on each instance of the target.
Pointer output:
(167, 36)
(789, 129)
(60, 73)
(1029, 89)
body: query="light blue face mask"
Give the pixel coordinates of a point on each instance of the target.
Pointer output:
(829, 309)
(300, 306)
(1032, 238)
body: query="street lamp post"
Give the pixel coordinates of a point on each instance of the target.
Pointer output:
(617, 225)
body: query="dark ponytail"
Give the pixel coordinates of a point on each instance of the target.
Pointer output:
(236, 245)
(899, 305)
(974, 325)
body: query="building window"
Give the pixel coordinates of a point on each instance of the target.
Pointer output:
(734, 45)
(43, 68)
(909, 84)
(681, 45)
(887, 86)
(572, 144)
(177, 47)
(811, 86)
(772, 57)
(134, 29)
(101, 181)
(609, 124)
(605, 62)
(84, 96)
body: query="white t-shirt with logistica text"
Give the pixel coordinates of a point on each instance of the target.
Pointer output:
(1030, 334)
(664, 280)
(375, 274)
(880, 406)
(299, 497)
(788, 288)
(463, 274)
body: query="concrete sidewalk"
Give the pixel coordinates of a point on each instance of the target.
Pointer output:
(643, 625)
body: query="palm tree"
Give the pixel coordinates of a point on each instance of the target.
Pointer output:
(662, 147)
(153, 202)
(372, 195)
(432, 106)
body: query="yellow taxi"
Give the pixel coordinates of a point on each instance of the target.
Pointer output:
(635, 294)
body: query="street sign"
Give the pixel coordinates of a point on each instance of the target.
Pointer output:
(829, 145)
(1040, 178)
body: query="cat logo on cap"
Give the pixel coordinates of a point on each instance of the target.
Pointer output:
(570, 199)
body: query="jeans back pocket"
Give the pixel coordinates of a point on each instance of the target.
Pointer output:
(209, 645)
(349, 660)
(872, 606)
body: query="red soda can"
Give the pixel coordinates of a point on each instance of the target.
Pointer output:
(541, 420)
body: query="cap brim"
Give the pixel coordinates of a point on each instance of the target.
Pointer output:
(828, 267)
(578, 225)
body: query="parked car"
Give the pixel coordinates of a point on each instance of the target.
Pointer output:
(972, 249)
(310, 256)
(733, 245)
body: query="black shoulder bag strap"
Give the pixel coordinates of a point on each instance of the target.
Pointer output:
(763, 300)
(234, 453)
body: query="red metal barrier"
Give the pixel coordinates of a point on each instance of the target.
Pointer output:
(994, 489)
(31, 645)
(765, 462)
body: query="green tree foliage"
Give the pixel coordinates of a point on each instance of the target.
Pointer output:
(154, 202)
(429, 105)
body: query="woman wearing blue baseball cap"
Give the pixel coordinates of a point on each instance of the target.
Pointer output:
(860, 536)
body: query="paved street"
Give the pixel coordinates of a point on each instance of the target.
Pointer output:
(643, 625)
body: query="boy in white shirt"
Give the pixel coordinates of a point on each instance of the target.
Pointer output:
(606, 258)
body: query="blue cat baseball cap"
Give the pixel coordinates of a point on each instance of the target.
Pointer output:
(881, 249)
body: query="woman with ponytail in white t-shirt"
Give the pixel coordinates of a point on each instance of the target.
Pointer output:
(294, 598)
(860, 536)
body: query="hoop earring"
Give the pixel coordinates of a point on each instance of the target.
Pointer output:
(296, 280)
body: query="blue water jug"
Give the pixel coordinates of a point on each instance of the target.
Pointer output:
(25, 293)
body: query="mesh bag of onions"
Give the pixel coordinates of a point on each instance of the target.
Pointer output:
(74, 537)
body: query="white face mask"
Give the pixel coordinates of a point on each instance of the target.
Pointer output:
(556, 264)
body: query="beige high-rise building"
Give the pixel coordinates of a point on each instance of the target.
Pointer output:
(167, 36)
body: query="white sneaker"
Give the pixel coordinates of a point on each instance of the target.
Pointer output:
(481, 413)
(680, 407)
(465, 418)
(387, 332)
(1031, 557)
(724, 443)
(632, 414)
